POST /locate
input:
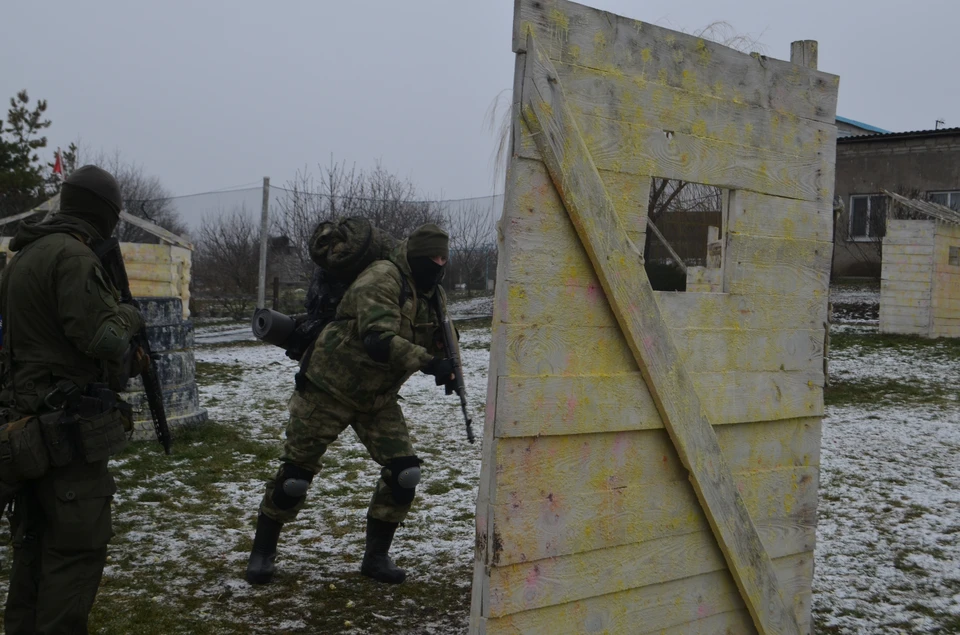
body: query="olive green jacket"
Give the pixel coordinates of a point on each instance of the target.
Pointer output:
(341, 366)
(62, 318)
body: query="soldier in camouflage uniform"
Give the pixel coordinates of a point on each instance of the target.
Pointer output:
(383, 333)
(63, 323)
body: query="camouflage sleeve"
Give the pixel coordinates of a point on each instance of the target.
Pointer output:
(378, 310)
(90, 310)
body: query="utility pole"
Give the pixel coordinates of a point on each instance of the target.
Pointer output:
(264, 231)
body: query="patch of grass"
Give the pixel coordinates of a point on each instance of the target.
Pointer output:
(882, 392)
(232, 344)
(209, 373)
(470, 324)
(435, 488)
(876, 342)
(900, 562)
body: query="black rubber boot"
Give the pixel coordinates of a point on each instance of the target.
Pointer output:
(376, 563)
(260, 568)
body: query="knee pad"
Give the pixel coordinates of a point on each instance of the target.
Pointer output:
(402, 475)
(290, 486)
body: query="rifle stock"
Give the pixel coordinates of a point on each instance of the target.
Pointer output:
(112, 260)
(452, 348)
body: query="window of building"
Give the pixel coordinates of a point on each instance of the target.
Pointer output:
(954, 259)
(948, 199)
(868, 216)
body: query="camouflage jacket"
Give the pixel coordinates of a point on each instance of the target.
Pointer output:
(62, 318)
(340, 364)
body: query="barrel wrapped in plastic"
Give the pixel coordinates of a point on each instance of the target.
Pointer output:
(272, 326)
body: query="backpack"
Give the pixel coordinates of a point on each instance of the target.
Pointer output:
(341, 250)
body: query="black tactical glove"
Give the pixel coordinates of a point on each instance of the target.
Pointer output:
(441, 368)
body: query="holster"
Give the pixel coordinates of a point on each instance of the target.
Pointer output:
(100, 423)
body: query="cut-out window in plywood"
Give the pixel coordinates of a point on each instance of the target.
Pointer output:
(954, 257)
(684, 242)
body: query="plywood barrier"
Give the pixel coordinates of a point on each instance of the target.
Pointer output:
(651, 459)
(920, 278)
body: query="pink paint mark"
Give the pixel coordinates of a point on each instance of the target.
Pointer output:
(593, 293)
(534, 576)
(648, 342)
(571, 407)
(703, 610)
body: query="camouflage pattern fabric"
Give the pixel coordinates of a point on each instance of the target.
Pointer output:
(346, 387)
(341, 366)
(316, 420)
(345, 248)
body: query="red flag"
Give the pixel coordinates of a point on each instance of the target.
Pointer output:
(58, 166)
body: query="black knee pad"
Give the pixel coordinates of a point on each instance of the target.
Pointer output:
(290, 486)
(402, 475)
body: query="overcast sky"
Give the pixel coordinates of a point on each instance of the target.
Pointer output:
(208, 94)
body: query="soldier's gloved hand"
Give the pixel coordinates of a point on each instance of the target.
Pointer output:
(441, 368)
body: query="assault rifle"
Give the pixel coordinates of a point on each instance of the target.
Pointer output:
(452, 348)
(112, 260)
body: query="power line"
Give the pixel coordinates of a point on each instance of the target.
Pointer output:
(387, 200)
(248, 187)
(241, 188)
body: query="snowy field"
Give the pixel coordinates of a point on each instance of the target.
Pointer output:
(888, 553)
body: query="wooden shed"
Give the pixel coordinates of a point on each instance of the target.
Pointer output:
(920, 275)
(651, 459)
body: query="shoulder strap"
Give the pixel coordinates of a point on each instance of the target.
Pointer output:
(404, 289)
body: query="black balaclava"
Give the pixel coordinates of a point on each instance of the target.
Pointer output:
(92, 195)
(426, 273)
(425, 243)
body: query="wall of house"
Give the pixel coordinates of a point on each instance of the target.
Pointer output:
(910, 166)
(906, 280)
(946, 283)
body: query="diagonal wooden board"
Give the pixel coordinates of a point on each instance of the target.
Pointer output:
(619, 266)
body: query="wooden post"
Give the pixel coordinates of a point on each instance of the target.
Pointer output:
(264, 233)
(804, 53)
(276, 293)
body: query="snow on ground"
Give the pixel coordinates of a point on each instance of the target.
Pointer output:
(888, 549)
(856, 302)
(481, 306)
(888, 539)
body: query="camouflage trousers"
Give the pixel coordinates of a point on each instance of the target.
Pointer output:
(316, 420)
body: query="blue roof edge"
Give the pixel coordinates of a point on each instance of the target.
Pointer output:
(860, 124)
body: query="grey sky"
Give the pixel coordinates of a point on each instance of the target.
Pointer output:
(212, 94)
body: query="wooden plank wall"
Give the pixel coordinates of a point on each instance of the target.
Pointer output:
(906, 277)
(586, 521)
(159, 271)
(946, 283)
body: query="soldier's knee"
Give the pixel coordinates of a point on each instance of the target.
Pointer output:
(402, 475)
(290, 486)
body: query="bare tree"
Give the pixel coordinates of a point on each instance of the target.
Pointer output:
(226, 261)
(379, 196)
(471, 231)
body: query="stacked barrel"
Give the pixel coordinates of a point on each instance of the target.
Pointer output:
(160, 280)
